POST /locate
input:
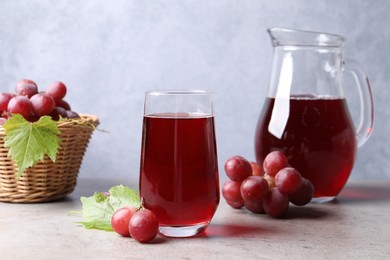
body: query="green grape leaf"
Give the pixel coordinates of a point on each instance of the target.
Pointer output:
(29, 142)
(98, 209)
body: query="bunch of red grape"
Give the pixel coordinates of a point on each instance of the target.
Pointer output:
(269, 193)
(31, 104)
(140, 224)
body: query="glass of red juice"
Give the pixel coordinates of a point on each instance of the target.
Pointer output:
(179, 167)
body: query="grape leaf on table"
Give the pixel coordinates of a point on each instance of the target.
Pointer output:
(98, 209)
(29, 142)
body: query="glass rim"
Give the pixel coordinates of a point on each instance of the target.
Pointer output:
(178, 92)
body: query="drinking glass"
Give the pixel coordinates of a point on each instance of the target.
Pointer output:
(179, 167)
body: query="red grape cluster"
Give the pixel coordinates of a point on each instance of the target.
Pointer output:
(142, 224)
(269, 193)
(31, 104)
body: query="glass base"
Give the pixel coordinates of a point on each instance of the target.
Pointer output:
(323, 199)
(182, 231)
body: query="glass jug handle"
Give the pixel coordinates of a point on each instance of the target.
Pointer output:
(366, 121)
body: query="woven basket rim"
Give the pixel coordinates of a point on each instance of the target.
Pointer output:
(85, 119)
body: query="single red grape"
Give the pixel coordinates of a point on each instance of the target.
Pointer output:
(72, 114)
(57, 113)
(303, 195)
(57, 90)
(20, 105)
(4, 100)
(275, 203)
(25, 81)
(274, 162)
(231, 191)
(62, 103)
(254, 188)
(235, 204)
(256, 169)
(255, 206)
(288, 180)
(237, 168)
(26, 87)
(120, 220)
(143, 226)
(43, 104)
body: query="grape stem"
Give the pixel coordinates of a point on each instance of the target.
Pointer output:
(141, 204)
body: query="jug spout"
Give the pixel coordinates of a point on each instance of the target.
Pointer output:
(292, 37)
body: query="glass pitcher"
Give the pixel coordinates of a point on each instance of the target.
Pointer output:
(305, 114)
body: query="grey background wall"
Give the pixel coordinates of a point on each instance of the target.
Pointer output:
(110, 52)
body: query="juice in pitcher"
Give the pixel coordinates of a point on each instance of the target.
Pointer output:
(319, 140)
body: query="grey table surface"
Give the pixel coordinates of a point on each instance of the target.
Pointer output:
(354, 226)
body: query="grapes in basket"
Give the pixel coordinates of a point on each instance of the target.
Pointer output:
(32, 104)
(269, 193)
(31, 127)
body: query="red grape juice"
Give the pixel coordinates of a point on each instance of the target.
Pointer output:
(179, 168)
(319, 140)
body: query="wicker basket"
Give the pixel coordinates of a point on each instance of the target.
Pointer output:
(47, 180)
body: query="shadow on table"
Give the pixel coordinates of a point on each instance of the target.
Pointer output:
(230, 230)
(306, 212)
(237, 230)
(362, 193)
